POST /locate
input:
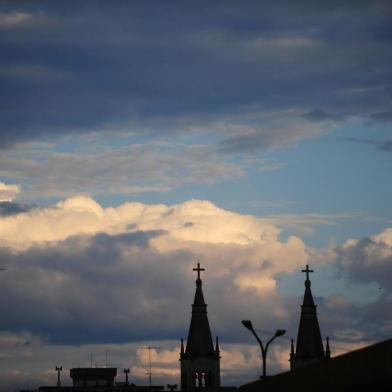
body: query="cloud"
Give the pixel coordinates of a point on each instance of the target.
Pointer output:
(135, 68)
(80, 253)
(321, 115)
(13, 19)
(267, 167)
(8, 192)
(306, 222)
(121, 277)
(271, 134)
(82, 215)
(106, 169)
(385, 145)
(383, 116)
(369, 259)
(11, 208)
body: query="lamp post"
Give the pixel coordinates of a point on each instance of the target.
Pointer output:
(280, 332)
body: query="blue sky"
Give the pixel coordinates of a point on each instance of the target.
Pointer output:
(256, 137)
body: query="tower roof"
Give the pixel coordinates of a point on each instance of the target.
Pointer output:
(309, 342)
(199, 342)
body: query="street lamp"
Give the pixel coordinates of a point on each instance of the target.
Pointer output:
(280, 332)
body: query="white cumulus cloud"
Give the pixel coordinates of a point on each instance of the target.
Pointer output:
(8, 191)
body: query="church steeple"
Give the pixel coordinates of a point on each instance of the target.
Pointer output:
(309, 343)
(200, 365)
(199, 340)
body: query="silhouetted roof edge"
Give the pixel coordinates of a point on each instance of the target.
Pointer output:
(362, 369)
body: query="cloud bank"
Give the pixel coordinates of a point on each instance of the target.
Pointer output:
(79, 274)
(283, 71)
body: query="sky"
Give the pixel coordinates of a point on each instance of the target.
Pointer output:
(138, 138)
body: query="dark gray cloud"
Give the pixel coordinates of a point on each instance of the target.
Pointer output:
(368, 260)
(383, 145)
(321, 115)
(386, 146)
(57, 291)
(107, 289)
(171, 66)
(241, 143)
(383, 116)
(8, 208)
(116, 288)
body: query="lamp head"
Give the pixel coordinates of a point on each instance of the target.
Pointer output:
(247, 324)
(280, 332)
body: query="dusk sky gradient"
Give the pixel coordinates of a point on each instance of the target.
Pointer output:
(138, 137)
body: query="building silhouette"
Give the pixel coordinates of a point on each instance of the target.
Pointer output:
(93, 377)
(309, 347)
(99, 380)
(367, 369)
(200, 360)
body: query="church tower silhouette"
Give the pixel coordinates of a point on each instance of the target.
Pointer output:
(200, 361)
(309, 343)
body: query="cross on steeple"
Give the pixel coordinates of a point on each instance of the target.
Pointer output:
(198, 269)
(307, 271)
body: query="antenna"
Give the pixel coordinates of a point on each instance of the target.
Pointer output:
(149, 372)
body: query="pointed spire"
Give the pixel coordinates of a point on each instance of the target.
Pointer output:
(327, 350)
(199, 298)
(199, 342)
(309, 342)
(200, 362)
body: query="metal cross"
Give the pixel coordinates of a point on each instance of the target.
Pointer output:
(198, 269)
(307, 271)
